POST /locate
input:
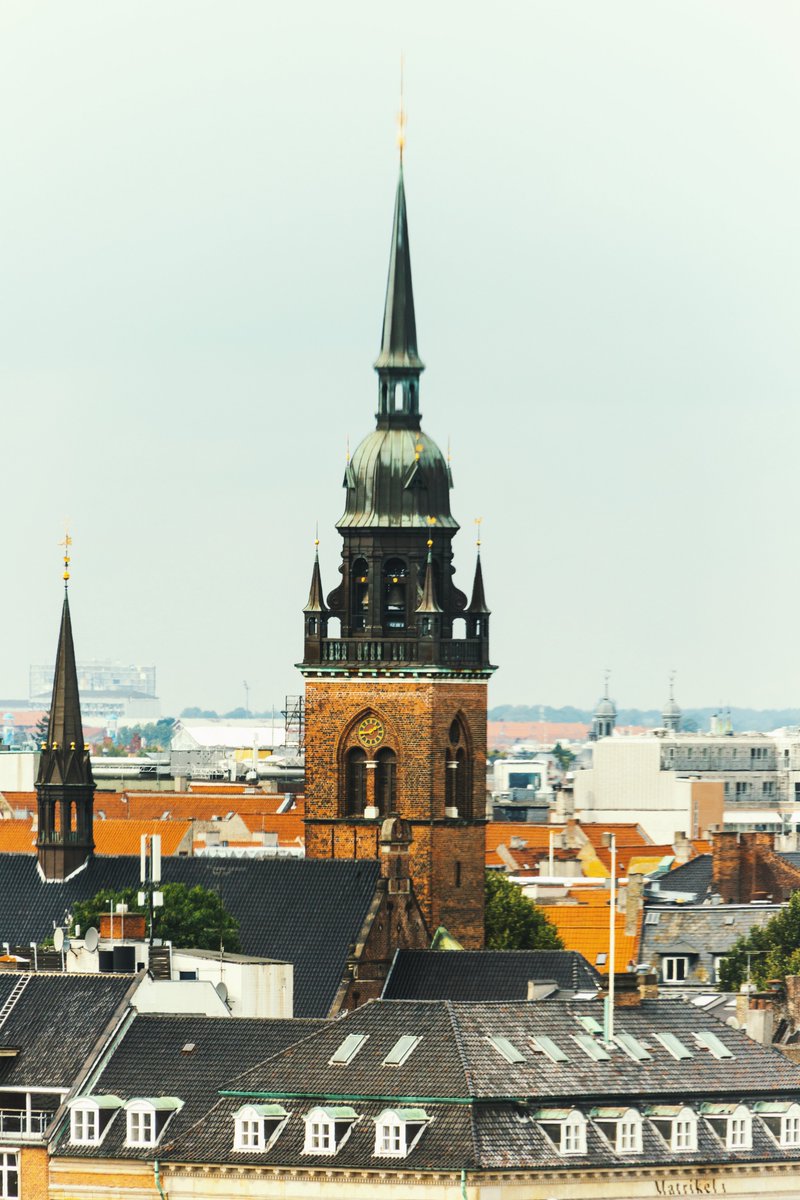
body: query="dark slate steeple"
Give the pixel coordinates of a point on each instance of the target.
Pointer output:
(316, 614)
(64, 785)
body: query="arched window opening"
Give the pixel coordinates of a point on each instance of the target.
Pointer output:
(360, 593)
(398, 397)
(384, 396)
(395, 585)
(458, 773)
(355, 782)
(386, 782)
(459, 627)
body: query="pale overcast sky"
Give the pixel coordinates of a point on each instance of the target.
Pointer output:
(603, 200)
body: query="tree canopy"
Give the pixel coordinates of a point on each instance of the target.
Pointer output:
(774, 951)
(192, 918)
(512, 922)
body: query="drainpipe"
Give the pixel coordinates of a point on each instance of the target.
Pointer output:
(157, 1177)
(463, 1183)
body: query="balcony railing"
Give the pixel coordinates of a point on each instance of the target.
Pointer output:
(453, 652)
(20, 1123)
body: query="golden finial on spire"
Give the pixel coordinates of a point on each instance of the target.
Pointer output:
(431, 523)
(449, 455)
(316, 534)
(347, 452)
(67, 542)
(478, 522)
(401, 118)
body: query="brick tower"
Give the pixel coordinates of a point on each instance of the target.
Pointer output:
(396, 694)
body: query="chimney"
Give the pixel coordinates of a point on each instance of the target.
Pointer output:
(395, 847)
(647, 982)
(682, 847)
(761, 1017)
(626, 990)
(726, 874)
(633, 904)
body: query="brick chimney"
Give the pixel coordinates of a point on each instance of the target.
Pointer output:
(626, 990)
(725, 858)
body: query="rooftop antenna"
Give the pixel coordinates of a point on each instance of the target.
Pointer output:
(246, 687)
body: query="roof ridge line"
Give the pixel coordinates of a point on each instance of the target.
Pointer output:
(462, 1054)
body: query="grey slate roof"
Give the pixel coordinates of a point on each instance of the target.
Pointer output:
(702, 931)
(693, 877)
(482, 1106)
(484, 974)
(283, 906)
(151, 1061)
(55, 1023)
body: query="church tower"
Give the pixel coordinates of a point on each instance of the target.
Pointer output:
(396, 660)
(64, 785)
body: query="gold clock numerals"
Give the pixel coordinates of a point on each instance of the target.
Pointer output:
(371, 732)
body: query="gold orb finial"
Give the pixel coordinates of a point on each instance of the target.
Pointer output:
(67, 542)
(401, 117)
(478, 523)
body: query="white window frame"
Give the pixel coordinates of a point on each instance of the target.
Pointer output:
(629, 1129)
(790, 1121)
(573, 1129)
(321, 1132)
(668, 962)
(81, 1116)
(739, 1129)
(684, 1124)
(142, 1115)
(9, 1165)
(392, 1132)
(248, 1132)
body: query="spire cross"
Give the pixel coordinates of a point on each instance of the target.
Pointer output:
(401, 118)
(67, 542)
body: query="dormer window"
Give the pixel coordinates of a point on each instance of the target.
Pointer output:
(147, 1117)
(565, 1127)
(256, 1126)
(90, 1117)
(677, 1125)
(782, 1119)
(732, 1123)
(622, 1127)
(397, 1131)
(327, 1129)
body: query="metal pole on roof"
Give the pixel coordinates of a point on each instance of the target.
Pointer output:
(608, 1014)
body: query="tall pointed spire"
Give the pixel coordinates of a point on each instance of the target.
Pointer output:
(65, 728)
(399, 344)
(478, 602)
(429, 603)
(316, 601)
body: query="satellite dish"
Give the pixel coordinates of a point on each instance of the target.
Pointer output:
(58, 939)
(222, 991)
(91, 939)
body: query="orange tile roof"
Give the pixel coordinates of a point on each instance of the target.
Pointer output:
(17, 837)
(537, 837)
(628, 833)
(124, 837)
(21, 800)
(584, 927)
(626, 853)
(505, 733)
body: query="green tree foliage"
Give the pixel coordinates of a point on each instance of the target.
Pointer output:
(191, 918)
(564, 757)
(774, 951)
(513, 922)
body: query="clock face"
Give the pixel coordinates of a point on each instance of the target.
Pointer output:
(370, 732)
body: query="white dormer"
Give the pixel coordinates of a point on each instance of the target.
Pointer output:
(147, 1116)
(677, 1124)
(566, 1128)
(90, 1117)
(733, 1123)
(256, 1126)
(397, 1131)
(622, 1126)
(782, 1119)
(327, 1129)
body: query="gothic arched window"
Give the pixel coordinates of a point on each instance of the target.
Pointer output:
(359, 592)
(458, 772)
(386, 782)
(355, 782)
(395, 582)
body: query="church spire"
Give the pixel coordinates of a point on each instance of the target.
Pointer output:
(315, 602)
(399, 344)
(65, 728)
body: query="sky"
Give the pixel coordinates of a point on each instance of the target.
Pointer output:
(603, 202)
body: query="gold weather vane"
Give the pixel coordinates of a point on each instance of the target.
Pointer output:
(347, 452)
(401, 118)
(431, 523)
(67, 542)
(478, 522)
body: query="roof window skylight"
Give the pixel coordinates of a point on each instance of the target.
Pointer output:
(674, 1045)
(590, 1047)
(401, 1050)
(546, 1045)
(508, 1050)
(348, 1049)
(590, 1024)
(632, 1047)
(710, 1041)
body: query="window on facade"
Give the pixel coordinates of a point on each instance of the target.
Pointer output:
(457, 773)
(790, 1129)
(739, 1130)
(742, 789)
(395, 580)
(327, 1129)
(684, 1132)
(674, 968)
(141, 1127)
(257, 1125)
(355, 782)
(629, 1133)
(386, 782)
(85, 1128)
(565, 1128)
(359, 593)
(9, 1177)
(397, 1131)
